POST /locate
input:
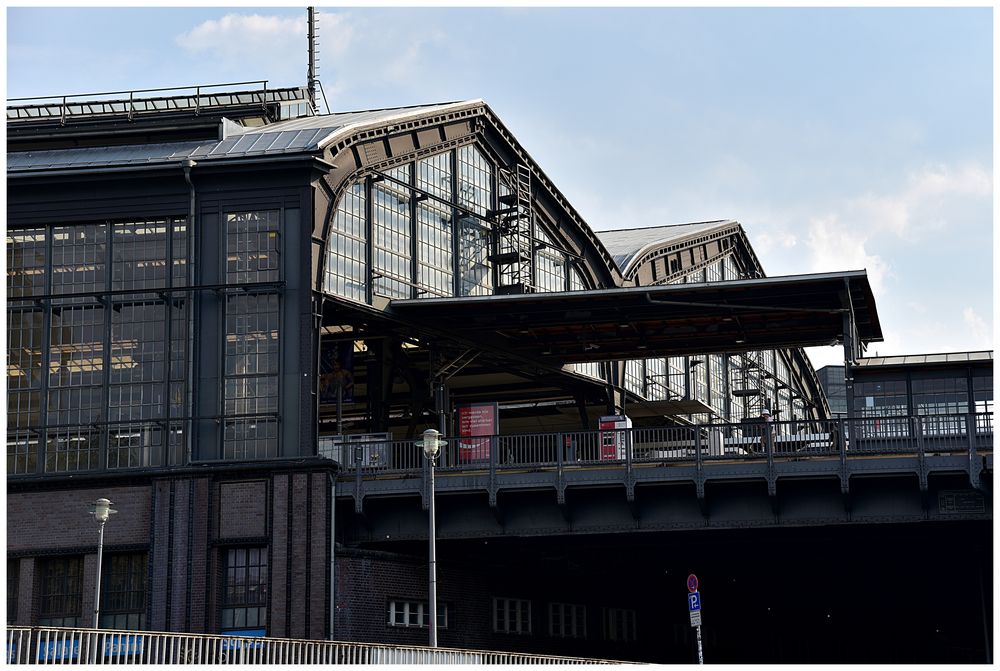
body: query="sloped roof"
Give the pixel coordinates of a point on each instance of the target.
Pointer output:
(628, 244)
(303, 135)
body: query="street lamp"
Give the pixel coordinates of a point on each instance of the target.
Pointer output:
(431, 444)
(101, 510)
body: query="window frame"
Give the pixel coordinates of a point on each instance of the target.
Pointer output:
(414, 614)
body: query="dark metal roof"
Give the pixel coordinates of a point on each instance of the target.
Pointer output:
(927, 359)
(665, 320)
(303, 135)
(628, 244)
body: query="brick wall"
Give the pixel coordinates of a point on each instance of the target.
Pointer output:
(367, 581)
(187, 523)
(242, 509)
(51, 520)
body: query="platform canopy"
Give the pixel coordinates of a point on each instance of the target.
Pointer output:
(663, 320)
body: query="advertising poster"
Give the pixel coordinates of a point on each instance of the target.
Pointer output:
(336, 366)
(475, 420)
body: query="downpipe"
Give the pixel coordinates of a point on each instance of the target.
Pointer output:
(187, 166)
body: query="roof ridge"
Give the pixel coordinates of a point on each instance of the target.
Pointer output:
(649, 228)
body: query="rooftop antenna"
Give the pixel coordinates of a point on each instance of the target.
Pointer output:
(311, 74)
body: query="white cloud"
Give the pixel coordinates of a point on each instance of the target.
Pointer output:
(236, 36)
(978, 329)
(925, 204)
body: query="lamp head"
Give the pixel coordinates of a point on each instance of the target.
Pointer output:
(431, 443)
(101, 509)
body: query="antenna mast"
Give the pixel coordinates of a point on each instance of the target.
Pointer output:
(311, 74)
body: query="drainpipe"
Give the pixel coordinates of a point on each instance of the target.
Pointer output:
(187, 165)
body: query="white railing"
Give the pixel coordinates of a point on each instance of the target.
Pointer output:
(54, 645)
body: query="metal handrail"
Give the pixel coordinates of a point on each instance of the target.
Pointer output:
(77, 646)
(133, 91)
(83, 101)
(749, 441)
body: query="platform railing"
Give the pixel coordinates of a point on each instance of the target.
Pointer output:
(749, 441)
(54, 645)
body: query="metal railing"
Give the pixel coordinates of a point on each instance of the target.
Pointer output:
(181, 99)
(748, 440)
(54, 645)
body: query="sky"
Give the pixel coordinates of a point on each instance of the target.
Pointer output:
(840, 139)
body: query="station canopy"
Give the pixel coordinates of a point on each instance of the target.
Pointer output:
(662, 320)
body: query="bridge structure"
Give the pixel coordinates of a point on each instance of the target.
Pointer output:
(860, 470)
(851, 530)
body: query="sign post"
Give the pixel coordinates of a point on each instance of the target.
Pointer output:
(694, 611)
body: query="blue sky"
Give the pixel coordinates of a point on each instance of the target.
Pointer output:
(839, 138)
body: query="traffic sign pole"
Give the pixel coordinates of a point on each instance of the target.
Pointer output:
(694, 610)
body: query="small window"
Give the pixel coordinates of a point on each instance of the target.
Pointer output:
(60, 591)
(123, 593)
(619, 624)
(567, 620)
(415, 614)
(511, 616)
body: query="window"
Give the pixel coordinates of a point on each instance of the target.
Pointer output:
(391, 233)
(26, 262)
(567, 620)
(123, 592)
(13, 579)
(62, 345)
(619, 624)
(347, 248)
(550, 265)
(415, 614)
(252, 247)
(244, 597)
(511, 616)
(60, 591)
(251, 385)
(982, 390)
(435, 270)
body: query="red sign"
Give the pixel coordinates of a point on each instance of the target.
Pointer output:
(692, 583)
(474, 421)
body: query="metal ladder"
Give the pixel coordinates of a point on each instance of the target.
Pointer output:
(512, 226)
(751, 391)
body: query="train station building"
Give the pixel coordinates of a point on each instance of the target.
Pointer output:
(235, 318)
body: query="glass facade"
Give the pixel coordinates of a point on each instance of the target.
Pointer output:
(347, 247)
(391, 240)
(435, 228)
(250, 354)
(734, 386)
(95, 367)
(550, 265)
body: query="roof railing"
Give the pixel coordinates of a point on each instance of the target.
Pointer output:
(204, 96)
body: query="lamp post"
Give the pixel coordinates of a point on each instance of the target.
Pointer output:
(101, 510)
(431, 444)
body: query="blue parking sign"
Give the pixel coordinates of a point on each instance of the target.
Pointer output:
(694, 601)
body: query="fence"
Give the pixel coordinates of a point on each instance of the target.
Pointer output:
(747, 440)
(52, 645)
